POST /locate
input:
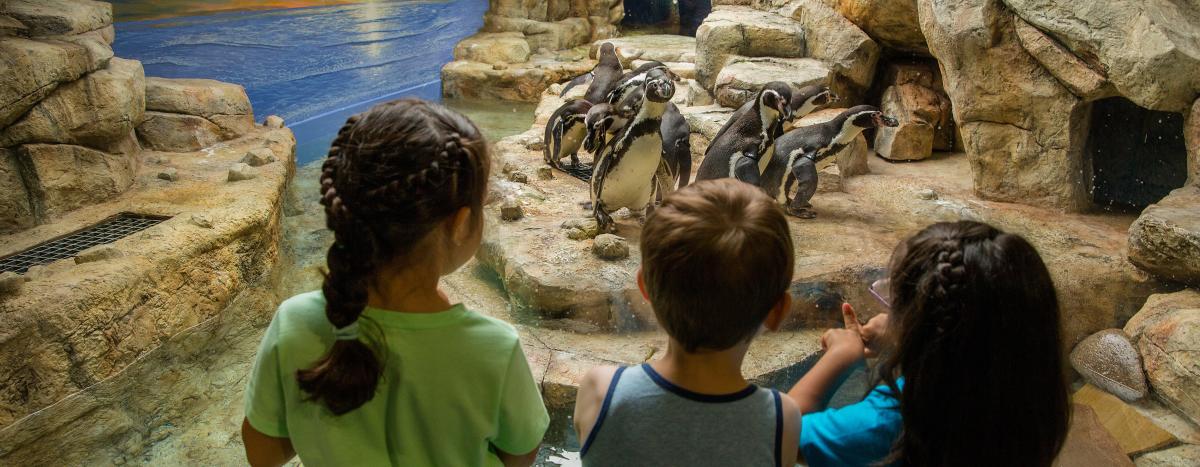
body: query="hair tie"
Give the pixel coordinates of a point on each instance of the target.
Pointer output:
(348, 332)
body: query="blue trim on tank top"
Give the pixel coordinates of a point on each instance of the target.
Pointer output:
(778, 428)
(698, 397)
(608, 395)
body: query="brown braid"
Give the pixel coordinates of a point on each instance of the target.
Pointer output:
(393, 173)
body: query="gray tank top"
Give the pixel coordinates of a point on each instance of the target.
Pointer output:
(646, 420)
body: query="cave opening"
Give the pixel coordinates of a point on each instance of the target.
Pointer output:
(681, 17)
(1137, 156)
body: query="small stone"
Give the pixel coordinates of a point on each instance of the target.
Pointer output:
(1109, 361)
(98, 253)
(508, 168)
(274, 121)
(499, 67)
(241, 171)
(518, 176)
(581, 229)
(35, 272)
(927, 194)
(511, 210)
(545, 173)
(10, 283)
(200, 220)
(258, 157)
(610, 247)
(169, 174)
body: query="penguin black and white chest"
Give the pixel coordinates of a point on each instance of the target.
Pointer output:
(624, 175)
(794, 162)
(741, 148)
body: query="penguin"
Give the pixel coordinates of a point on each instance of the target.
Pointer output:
(632, 81)
(624, 174)
(794, 162)
(741, 148)
(808, 99)
(603, 77)
(565, 132)
(676, 168)
(605, 120)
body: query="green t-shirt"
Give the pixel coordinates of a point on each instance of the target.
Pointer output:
(454, 383)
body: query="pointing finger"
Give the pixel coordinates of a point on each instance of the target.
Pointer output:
(851, 318)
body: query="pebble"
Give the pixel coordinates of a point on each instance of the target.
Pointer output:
(10, 283)
(545, 173)
(241, 171)
(511, 210)
(610, 247)
(581, 229)
(35, 272)
(258, 157)
(200, 220)
(169, 174)
(927, 194)
(98, 253)
(274, 121)
(518, 176)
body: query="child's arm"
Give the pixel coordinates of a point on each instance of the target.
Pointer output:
(263, 450)
(590, 398)
(791, 432)
(523, 460)
(843, 348)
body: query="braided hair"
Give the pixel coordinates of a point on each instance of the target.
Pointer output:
(976, 321)
(393, 173)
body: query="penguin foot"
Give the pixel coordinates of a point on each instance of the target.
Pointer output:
(802, 213)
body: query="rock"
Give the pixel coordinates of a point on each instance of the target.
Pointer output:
(927, 194)
(169, 174)
(545, 173)
(1178, 456)
(581, 228)
(1148, 49)
(55, 17)
(1071, 71)
(707, 120)
(171, 132)
(742, 77)
(1134, 432)
(684, 70)
(1165, 239)
(891, 22)
(33, 69)
(851, 160)
(273, 121)
(241, 171)
(919, 111)
(1191, 139)
(1088, 443)
(104, 106)
(1109, 361)
(664, 48)
(201, 220)
(848, 51)
(224, 104)
(1167, 333)
(10, 283)
(610, 247)
(9, 26)
(523, 82)
(494, 48)
(1022, 130)
(697, 95)
(62, 178)
(936, 104)
(737, 30)
(518, 177)
(16, 212)
(98, 253)
(556, 35)
(511, 210)
(258, 157)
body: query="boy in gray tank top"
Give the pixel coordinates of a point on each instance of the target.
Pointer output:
(716, 264)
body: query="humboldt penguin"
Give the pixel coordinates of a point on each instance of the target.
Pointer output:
(565, 130)
(740, 149)
(633, 80)
(675, 170)
(808, 99)
(603, 77)
(794, 162)
(624, 174)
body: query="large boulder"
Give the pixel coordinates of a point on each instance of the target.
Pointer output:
(846, 49)
(1071, 71)
(95, 111)
(891, 22)
(224, 104)
(921, 112)
(65, 177)
(556, 35)
(1023, 131)
(493, 48)
(736, 30)
(743, 77)
(32, 69)
(1165, 240)
(659, 47)
(162, 131)
(1148, 49)
(55, 17)
(15, 211)
(925, 73)
(1167, 333)
(520, 82)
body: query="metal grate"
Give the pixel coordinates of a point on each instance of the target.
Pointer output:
(582, 171)
(111, 230)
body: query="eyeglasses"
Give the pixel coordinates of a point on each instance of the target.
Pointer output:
(882, 290)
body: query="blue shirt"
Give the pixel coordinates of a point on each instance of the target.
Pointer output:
(858, 434)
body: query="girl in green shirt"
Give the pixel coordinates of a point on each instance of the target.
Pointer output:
(378, 367)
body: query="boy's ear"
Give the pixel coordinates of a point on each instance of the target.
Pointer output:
(460, 226)
(642, 285)
(779, 312)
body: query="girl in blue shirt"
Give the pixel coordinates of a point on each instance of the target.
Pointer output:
(974, 324)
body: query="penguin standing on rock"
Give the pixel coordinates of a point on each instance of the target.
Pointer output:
(565, 130)
(794, 162)
(625, 171)
(741, 148)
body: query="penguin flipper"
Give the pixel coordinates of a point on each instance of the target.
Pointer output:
(746, 169)
(577, 81)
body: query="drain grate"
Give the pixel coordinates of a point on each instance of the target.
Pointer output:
(582, 171)
(108, 231)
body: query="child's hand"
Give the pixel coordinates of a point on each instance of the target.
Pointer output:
(874, 334)
(845, 344)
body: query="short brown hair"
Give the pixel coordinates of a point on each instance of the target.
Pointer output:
(716, 256)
